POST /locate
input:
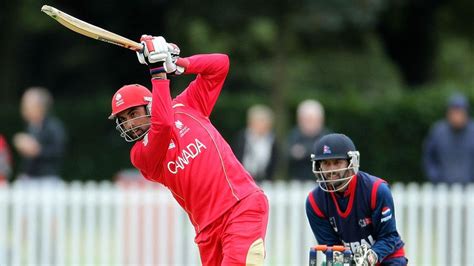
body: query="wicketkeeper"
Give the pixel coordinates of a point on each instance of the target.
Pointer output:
(351, 207)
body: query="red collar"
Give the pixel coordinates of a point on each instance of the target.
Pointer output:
(348, 192)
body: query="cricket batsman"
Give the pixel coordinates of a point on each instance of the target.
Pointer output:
(351, 207)
(177, 146)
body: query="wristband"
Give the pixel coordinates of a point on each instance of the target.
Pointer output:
(157, 70)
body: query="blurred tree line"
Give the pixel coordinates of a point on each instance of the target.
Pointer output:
(382, 68)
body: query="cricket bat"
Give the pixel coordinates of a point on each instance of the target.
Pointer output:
(90, 30)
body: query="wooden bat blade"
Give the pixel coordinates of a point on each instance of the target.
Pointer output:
(90, 30)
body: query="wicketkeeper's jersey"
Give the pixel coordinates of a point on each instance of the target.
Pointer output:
(186, 153)
(363, 214)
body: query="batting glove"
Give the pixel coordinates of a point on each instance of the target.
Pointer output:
(154, 54)
(174, 51)
(170, 64)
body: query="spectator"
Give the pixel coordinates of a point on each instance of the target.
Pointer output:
(255, 146)
(5, 160)
(448, 151)
(42, 145)
(310, 128)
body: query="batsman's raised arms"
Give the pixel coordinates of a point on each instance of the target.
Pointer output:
(90, 30)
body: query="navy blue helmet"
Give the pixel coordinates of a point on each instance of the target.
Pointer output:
(331, 147)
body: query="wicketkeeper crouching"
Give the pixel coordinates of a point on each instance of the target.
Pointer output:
(351, 207)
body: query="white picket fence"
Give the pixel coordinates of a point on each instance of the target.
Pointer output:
(110, 224)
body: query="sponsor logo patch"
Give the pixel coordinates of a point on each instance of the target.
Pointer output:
(386, 214)
(182, 128)
(179, 124)
(365, 221)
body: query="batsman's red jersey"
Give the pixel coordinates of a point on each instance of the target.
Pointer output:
(186, 153)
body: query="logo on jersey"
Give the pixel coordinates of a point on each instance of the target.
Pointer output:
(332, 221)
(182, 128)
(354, 245)
(364, 222)
(386, 214)
(179, 124)
(191, 151)
(326, 150)
(172, 145)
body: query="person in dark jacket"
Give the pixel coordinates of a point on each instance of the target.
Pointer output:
(42, 145)
(448, 150)
(256, 145)
(309, 128)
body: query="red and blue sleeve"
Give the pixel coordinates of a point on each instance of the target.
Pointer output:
(320, 225)
(385, 229)
(148, 155)
(202, 93)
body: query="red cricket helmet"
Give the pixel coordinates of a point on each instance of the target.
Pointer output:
(129, 96)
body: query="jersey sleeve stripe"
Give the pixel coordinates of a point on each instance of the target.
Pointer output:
(373, 196)
(178, 105)
(315, 206)
(398, 253)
